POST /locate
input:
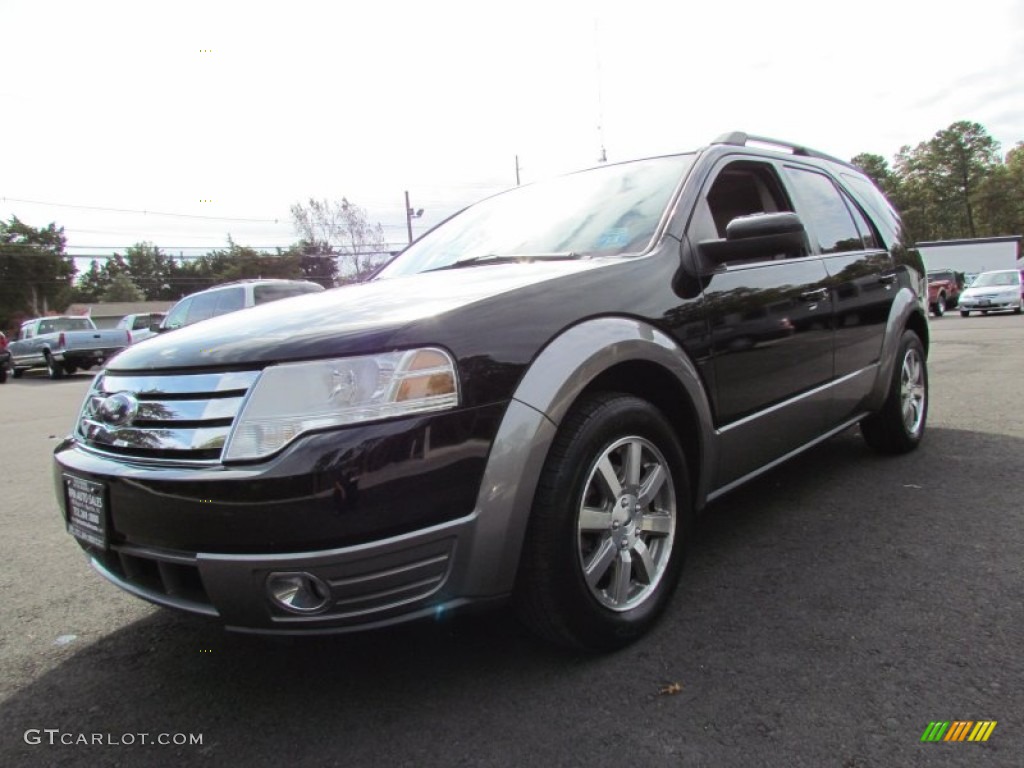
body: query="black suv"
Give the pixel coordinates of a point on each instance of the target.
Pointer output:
(530, 403)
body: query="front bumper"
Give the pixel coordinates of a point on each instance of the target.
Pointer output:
(377, 513)
(370, 585)
(989, 305)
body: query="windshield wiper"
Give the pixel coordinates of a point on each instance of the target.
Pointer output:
(493, 258)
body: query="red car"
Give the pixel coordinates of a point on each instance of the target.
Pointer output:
(5, 358)
(944, 287)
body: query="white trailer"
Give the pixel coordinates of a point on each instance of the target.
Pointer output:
(974, 256)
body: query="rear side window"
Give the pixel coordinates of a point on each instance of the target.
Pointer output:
(203, 307)
(827, 216)
(867, 232)
(265, 293)
(230, 300)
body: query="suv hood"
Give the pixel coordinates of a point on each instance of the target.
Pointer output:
(352, 320)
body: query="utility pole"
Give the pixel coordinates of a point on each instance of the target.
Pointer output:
(410, 214)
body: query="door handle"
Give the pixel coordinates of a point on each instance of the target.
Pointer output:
(814, 296)
(887, 279)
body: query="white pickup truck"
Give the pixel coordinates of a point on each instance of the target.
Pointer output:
(64, 345)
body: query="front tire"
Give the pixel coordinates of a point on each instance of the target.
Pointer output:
(605, 542)
(899, 426)
(939, 308)
(964, 313)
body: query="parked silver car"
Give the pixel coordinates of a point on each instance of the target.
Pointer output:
(997, 291)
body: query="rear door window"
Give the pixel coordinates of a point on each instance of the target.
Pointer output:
(230, 300)
(824, 212)
(203, 306)
(265, 293)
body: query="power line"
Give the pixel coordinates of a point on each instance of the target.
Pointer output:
(143, 212)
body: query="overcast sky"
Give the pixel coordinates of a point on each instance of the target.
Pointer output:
(256, 105)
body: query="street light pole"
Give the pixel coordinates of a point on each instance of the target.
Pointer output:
(410, 214)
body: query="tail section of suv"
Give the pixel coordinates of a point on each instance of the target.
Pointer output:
(529, 404)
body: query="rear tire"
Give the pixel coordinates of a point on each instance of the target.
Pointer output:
(16, 372)
(964, 313)
(605, 542)
(3, 374)
(899, 426)
(939, 308)
(1020, 308)
(54, 369)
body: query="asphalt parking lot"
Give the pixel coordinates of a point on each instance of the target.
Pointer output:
(828, 613)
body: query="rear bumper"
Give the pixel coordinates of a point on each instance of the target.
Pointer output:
(84, 358)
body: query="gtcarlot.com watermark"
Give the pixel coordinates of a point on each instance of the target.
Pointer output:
(56, 737)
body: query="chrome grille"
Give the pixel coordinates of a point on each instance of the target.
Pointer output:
(175, 416)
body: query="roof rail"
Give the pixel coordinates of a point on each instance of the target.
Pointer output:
(740, 139)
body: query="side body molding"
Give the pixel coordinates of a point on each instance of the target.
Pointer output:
(545, 394)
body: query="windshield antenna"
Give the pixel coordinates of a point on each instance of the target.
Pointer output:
(603, 157)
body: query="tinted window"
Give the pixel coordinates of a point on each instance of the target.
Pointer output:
(230, 300)
(825, 214)
(203, 307)
(867, 232)
(261, 294)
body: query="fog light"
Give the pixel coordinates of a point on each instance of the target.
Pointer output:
(298, 592)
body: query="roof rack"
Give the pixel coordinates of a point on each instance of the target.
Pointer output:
(740, 139)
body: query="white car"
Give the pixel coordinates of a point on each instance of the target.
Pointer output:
(231, 297)
(998, 291)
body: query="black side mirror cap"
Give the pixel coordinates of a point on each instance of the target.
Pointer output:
(759, 234)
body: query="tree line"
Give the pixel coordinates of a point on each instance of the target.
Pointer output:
(337, 244)
(956, 184)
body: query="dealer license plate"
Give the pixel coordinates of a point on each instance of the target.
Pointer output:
(87, 514)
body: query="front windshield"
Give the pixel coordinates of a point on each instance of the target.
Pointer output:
(605, 211)
(990, 279)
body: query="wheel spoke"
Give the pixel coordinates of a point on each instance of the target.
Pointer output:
(634, 463)
(652, 484)
(610, 480)
(600, 562)
(658, 525)
(644, 563)
(594, 520)
(623, 577)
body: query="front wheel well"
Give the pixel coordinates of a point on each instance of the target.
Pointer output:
(650, 382)
(919, 325)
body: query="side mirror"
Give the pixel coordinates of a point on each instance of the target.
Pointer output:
(759, 235)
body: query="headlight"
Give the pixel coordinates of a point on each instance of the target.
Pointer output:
(291, 399)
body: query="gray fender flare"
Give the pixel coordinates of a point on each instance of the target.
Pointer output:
(544, 395)
(905, 304)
